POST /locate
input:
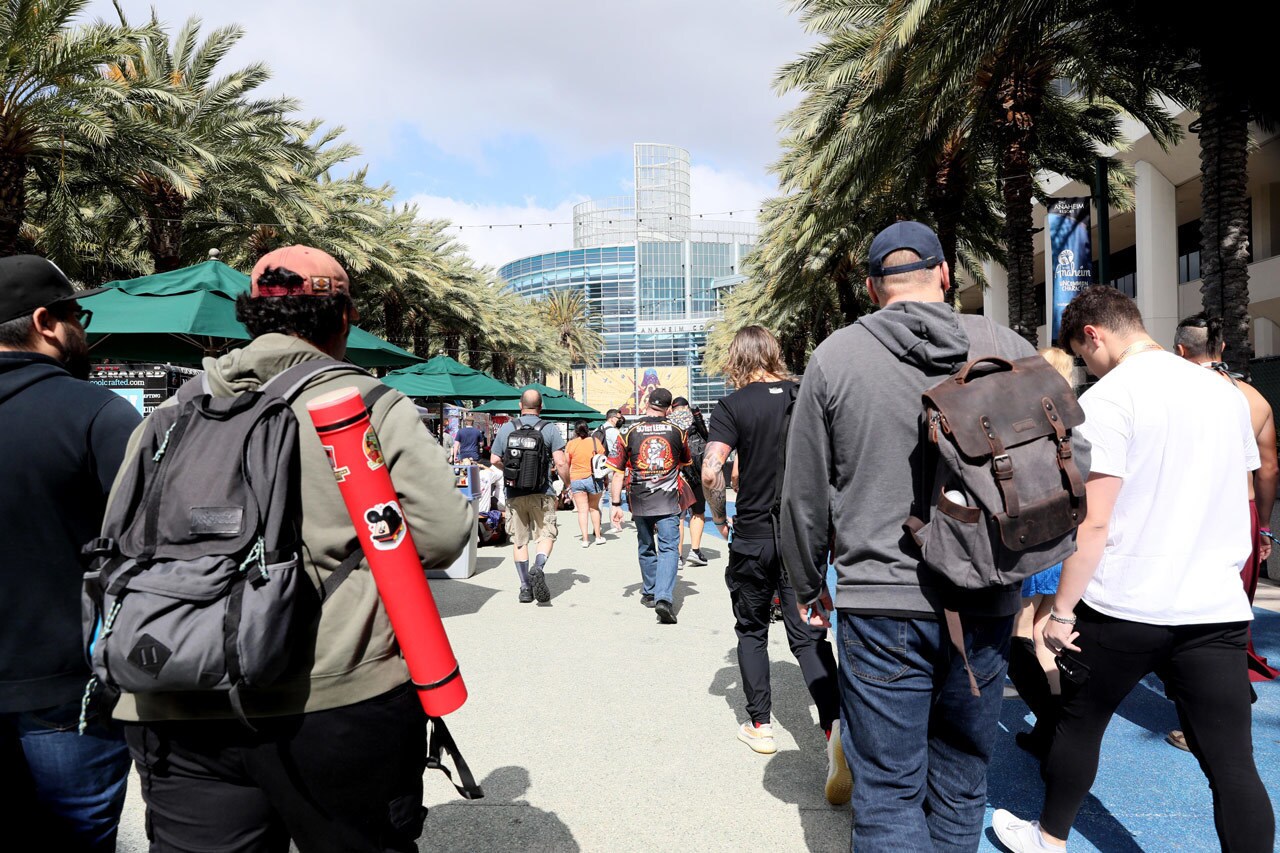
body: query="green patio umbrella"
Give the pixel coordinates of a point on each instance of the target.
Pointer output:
(556, 406)
(443, 378)
(184, 315)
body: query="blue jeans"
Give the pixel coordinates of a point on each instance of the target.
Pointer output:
(67, 789)
(659, 538)
(917, 741)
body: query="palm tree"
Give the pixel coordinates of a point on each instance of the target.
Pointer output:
(241, 151)
(565, 311)
(998, 66)
(55, 104)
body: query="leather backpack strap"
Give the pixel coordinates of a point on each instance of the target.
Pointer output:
(955, 630)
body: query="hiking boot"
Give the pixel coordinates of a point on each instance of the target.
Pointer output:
(758, 736)
(665, 616)
(839, 780)
(1020, 836)
(538, 580)
(646, 599)
(526, 595)
(695, 558)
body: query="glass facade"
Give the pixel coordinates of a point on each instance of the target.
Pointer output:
(646, 267)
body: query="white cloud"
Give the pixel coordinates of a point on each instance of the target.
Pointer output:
(713, 191)
(499, 245)
(581, 76)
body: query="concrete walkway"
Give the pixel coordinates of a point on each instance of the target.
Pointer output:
(593, 728)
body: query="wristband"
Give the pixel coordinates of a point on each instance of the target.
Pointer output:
(1061, 620)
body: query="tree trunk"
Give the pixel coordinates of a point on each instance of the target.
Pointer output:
(1224, 217)
(165, 228)
(1017, 106)
(453, 345)
(942, 195)
(13, 203)
(393, 320)
(422, 338)
(846, 289)
(473, 350)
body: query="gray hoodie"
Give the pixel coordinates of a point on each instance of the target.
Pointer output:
(853, 456)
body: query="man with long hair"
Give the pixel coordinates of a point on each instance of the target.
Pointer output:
(753, 421)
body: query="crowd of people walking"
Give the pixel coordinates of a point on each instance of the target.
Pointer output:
(1076, 551)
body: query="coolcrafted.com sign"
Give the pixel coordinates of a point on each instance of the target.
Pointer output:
(1067, 224)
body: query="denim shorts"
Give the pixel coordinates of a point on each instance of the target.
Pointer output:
(587, 484)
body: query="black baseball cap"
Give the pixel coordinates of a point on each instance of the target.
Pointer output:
(28, 282)
(915, 236)
(660, 398)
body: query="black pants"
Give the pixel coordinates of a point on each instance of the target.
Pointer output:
(1206, 671)
(343, 780)
(754, 576)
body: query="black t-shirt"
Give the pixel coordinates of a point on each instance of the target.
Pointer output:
(750, 421)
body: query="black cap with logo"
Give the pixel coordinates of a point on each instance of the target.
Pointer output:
(28, 282)
(660, 398)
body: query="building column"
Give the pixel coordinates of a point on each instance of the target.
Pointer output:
(1266, 338)
(995, 296)
(1156, 244)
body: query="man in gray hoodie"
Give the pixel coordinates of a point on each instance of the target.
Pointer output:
(917, 741)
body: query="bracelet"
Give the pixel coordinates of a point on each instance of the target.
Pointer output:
(1054, 617)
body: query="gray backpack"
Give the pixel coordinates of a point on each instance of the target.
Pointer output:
(196, 582)
(1000, 495)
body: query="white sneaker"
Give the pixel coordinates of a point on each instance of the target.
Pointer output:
(1021, 836)
(586, 543)
(759, 738)
(839, 780)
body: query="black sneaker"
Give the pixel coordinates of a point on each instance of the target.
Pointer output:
(646, 600)
(665, 616)
(538, 580)
(526, 595)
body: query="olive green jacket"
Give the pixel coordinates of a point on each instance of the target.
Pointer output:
(353, 655)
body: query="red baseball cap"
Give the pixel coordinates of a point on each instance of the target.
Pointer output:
(320, 273)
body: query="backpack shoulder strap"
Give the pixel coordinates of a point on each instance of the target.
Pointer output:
(194, 387)
(291, 382)
(981, 331)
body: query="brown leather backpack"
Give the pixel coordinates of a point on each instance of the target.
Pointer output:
(1002, 493)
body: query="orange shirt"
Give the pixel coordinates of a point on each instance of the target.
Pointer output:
(580, 451)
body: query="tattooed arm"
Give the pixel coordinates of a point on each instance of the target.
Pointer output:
(713, 483)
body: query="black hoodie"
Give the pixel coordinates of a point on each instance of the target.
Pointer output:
(853, 455)
(61, 442)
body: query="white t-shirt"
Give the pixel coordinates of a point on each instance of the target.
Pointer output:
(1181, 439)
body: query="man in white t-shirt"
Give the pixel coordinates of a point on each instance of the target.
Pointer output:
(1154, 585)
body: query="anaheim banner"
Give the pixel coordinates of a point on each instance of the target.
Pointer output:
(1067, 224)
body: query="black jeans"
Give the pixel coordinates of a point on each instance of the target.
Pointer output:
(754, 575)
(343, 780)
(1206, 671)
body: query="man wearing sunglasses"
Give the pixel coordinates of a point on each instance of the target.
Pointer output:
(61, 441)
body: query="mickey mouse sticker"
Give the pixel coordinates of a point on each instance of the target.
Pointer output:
(386, 525)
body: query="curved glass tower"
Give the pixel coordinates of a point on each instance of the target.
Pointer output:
(645, 266)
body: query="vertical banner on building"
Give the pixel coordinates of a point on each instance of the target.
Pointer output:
(1067, 225)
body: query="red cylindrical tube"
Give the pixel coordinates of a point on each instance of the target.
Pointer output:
(343, 425)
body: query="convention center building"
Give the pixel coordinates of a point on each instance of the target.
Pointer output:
(645, 263)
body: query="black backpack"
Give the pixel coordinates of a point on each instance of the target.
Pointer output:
(527, 459)
(195, 584)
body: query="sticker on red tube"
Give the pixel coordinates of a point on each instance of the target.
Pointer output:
(373, 450)
(386, 525)
(339, 474)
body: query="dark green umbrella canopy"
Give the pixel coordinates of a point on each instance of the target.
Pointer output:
(184, 315)
(556, 406)
(444, 378)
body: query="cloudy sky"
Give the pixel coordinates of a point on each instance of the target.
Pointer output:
(511, 111)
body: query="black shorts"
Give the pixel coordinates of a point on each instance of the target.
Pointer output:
(699, 505)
